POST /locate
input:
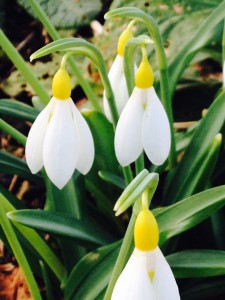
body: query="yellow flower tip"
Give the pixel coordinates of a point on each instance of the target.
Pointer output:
(146, 232)
(125, 36)
(144, 76)
(61, 88)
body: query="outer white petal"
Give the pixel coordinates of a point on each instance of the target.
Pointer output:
(134, 282)
(119, 87)
(164, 282)
(60, 149)
(34, 144)
(156, 137)
(85, 142)
(128, 144)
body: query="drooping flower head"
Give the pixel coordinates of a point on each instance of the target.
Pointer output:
(60, 138)
(147, 275)
(143, 123)
(117, 77)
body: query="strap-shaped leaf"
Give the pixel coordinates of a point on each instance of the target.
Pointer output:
(61, 224)
(17, 109)
(197, 263)
(10, 164)
(91, 275)
(189, 212)
(209, 126)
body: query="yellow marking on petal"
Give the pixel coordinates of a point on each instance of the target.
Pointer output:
(144, 76)
(123, 39)
(146, 232)
(61, 87)
(151, 275)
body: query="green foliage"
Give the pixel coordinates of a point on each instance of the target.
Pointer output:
(66, 14)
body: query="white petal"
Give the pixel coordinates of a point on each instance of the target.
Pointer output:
(164, 282)
(134, 282)
(156, 137)
(34, 144)
(60, 145)
(119, 86)
(85, 142)
(128, 145)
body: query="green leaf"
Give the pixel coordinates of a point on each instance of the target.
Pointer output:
(189, 212)
(84, 233)
(91, 275)
(208, 290)
(66, 13)
(113, 179)
(17, 109)
(10, 164)
(209, 126)
(197, 263)
(197, 177)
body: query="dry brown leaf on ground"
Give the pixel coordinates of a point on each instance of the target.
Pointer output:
(12, 283)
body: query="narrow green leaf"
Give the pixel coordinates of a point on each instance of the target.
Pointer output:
(208, 290)
(9, 129)
(189, 212)
(91, 275)
(113, 179)
(17, 109)
(209, 126)
(10, 164)
(48, 285)
(19, 254)
(36, 242)
(197, 263)
(84, 233)
(197, 177)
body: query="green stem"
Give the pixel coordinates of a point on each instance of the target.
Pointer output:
(37, 242)
(125, 252)
(127, 173)
(18, 136)
(19, 254)
(21, 65)
(139, 164)
(55, 36)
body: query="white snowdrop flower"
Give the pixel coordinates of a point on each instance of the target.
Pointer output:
(143, 123)
(147, 275)
(117, 77)
(60, 139)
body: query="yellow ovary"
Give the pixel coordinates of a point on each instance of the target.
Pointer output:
(145, 76)
(61, 88)
(123, 39)
(146, 232)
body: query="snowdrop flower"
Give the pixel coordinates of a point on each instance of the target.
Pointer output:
(147, 275)
(117, 77)
(60, 138)
(143, 122)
